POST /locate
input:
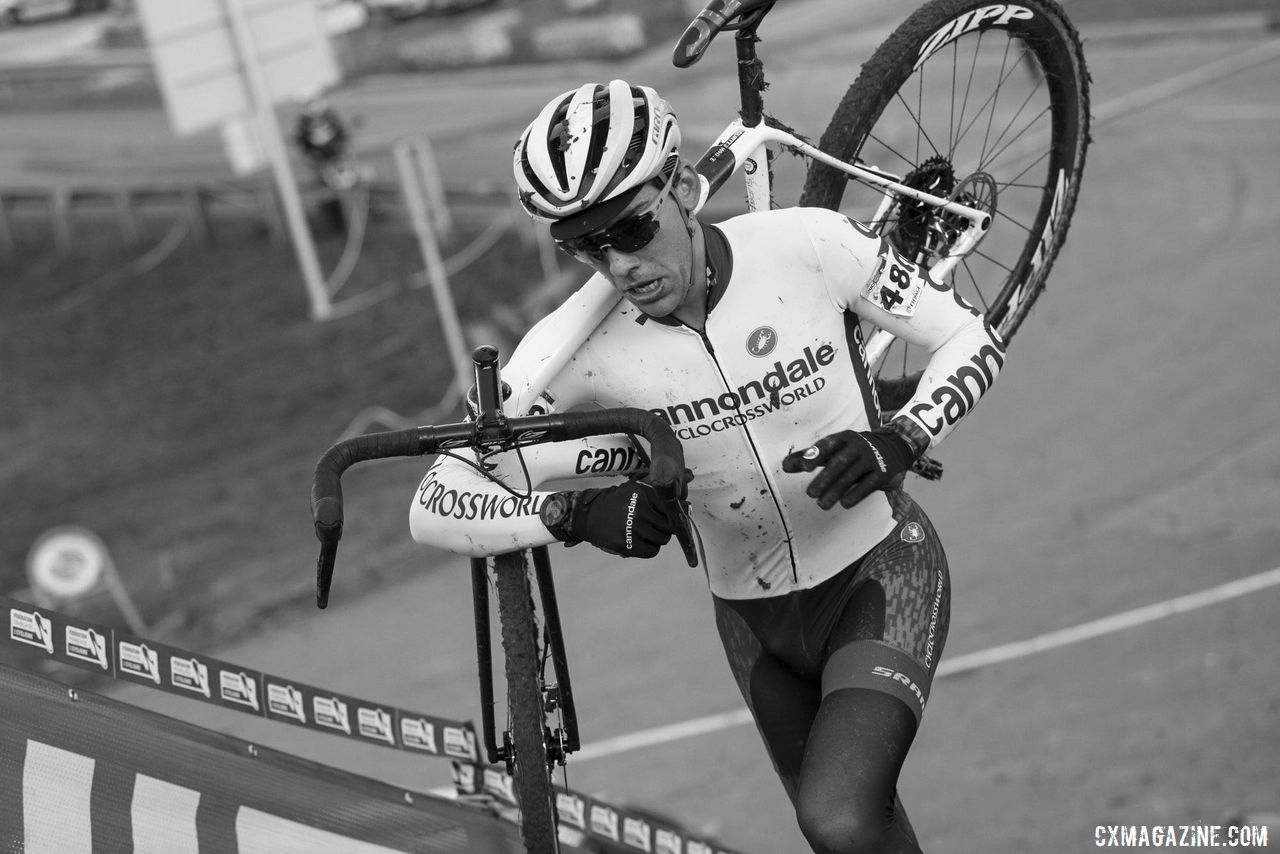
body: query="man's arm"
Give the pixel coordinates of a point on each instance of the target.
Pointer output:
(966, 354)
(866, 276)
(461, 509)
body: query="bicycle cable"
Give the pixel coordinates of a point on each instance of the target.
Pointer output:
(480, 467)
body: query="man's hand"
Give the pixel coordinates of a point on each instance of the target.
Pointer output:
(854, 465)
(629, 520)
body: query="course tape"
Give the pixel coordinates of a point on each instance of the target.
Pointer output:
(584, 819)
(139, 661)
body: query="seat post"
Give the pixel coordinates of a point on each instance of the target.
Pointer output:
(751, 83)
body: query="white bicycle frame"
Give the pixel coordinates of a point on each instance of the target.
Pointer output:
(748, 146)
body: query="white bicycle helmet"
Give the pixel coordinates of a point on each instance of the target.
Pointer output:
(589, 151)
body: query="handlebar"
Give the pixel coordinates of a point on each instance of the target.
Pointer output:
(716, 16)
(492, 430)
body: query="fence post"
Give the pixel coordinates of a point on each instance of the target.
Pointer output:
(193, 207)
(6, 231)
(265, 196)
(433, 188)
(60, 218)
(124, 215)
(436, 276)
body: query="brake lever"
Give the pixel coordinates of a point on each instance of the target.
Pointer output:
(684, 529)
(678, 515)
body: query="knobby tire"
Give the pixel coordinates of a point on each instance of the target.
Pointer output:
(525, 703)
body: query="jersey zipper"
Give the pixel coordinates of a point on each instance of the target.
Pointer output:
(773, 496)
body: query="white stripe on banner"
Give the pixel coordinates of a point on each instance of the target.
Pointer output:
(56, 789)
(263, 833)
(164, 817)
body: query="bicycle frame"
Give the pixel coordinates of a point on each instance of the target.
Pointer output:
(529, 744)
(744, 146)
(570, 739)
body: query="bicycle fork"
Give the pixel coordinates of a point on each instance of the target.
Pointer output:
(557, 696)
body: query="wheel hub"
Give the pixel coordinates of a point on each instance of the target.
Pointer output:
(921, 231)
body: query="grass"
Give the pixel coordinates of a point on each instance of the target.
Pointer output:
(179, 413)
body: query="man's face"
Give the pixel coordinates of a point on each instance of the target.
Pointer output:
(655, 278)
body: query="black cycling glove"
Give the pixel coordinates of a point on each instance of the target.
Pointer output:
(629, 519)
(854, 465)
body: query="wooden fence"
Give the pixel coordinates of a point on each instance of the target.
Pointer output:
(53, 218)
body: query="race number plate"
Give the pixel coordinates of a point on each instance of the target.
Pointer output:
(895, 286)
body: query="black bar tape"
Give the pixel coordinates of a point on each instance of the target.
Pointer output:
(326, 486)
(666, 470)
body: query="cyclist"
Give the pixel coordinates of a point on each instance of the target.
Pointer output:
(745, 336)
(319, 132)
(324, 140)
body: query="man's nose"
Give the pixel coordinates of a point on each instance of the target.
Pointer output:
(620, 263)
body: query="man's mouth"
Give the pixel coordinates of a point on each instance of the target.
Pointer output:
(647, 289)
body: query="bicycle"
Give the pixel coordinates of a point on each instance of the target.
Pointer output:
(936, 192)
(529, 747)
(950, 160)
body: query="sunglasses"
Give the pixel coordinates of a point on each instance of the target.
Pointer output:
(628, 235)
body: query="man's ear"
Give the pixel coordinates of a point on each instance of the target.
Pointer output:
(688, 187)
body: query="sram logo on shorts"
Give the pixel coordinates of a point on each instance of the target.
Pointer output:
(995, 15)
(902, 679)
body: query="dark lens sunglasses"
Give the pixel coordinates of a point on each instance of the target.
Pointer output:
(628, 235)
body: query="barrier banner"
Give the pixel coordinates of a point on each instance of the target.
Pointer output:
(82, 773)
(127, 658)
(586, 820)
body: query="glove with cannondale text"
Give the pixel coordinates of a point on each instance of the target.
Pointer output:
(629, 519)
(854, 465)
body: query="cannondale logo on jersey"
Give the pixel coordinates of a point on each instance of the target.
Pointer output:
(762, 341)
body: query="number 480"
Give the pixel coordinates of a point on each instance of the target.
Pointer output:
(900, 277)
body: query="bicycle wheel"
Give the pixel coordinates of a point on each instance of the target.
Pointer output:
(525, 704)
(986, 103)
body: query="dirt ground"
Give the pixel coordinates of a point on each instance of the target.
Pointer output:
(1125, 457)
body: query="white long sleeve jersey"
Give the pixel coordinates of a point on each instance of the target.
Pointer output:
(779, 364)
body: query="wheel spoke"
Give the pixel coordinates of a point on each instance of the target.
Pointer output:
(1016, 118)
